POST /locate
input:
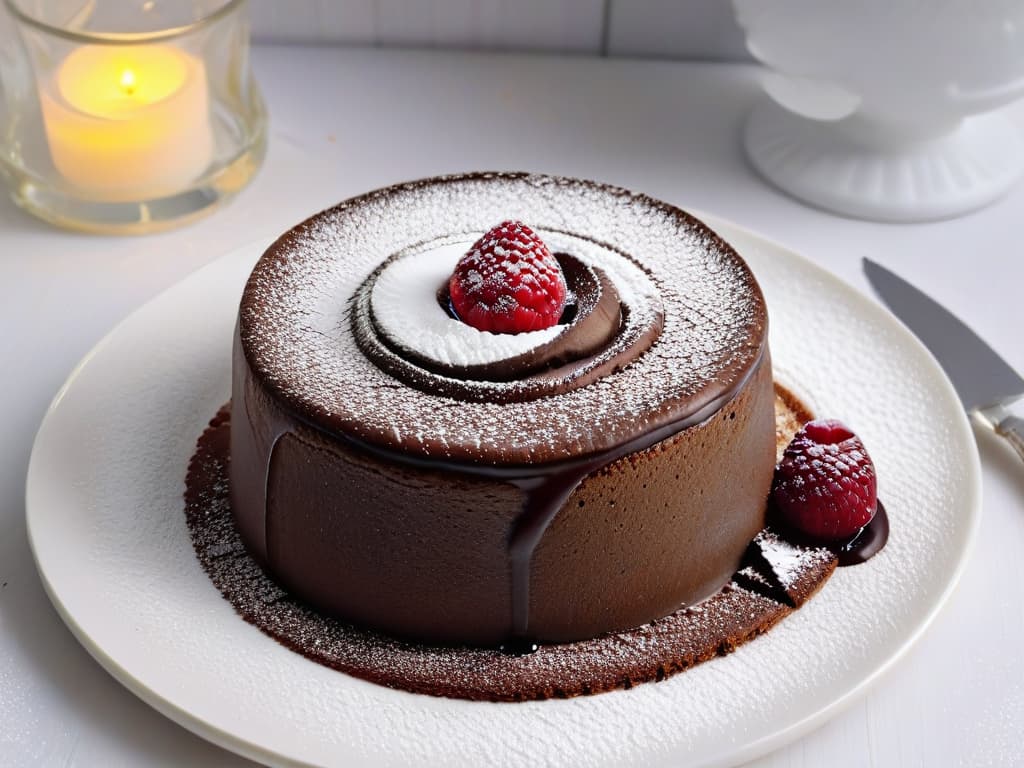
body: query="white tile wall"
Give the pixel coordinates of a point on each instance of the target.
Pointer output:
(563, 25)
(702, 29)
(689, 29)
(671, 28)
(318, 21)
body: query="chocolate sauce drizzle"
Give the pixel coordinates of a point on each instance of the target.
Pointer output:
(868, 542)
(859, 548)
(545, 487)
(750, 605)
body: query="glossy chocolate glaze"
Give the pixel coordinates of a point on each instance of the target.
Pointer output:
(547, 491)
(867, 543)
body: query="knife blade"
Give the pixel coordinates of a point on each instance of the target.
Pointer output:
(987, 385)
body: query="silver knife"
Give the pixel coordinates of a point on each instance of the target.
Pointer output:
(987, 385)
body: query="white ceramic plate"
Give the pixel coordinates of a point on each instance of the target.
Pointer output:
(107, 528)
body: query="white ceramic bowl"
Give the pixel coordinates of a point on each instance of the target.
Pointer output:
(887, 102)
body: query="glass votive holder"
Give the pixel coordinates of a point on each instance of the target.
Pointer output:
(127, 116)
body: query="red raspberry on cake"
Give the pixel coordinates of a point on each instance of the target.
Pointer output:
(825, 485)
(508, 282)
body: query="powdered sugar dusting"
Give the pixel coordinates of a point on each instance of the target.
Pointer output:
(651, 652)
(405, 307)
(296, 325)
(787, 560)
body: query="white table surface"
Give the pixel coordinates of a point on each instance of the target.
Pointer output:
(345, 121)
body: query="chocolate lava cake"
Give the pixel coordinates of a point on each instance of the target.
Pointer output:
(404, 472)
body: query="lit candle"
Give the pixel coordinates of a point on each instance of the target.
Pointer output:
(128, 123)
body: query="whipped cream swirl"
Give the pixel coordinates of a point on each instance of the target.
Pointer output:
(402, 324)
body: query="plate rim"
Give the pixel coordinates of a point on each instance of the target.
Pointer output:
(766, 743)
(974, 474)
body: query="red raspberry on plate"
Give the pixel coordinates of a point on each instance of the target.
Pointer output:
(508, 282)
(825, 485)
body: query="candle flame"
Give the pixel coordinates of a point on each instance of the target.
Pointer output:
(128, 82)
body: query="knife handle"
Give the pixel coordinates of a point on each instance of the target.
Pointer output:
(1012, 428)
(1005, 424)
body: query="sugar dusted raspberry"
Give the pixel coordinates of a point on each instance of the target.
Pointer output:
(508, 282)
(825, 485)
